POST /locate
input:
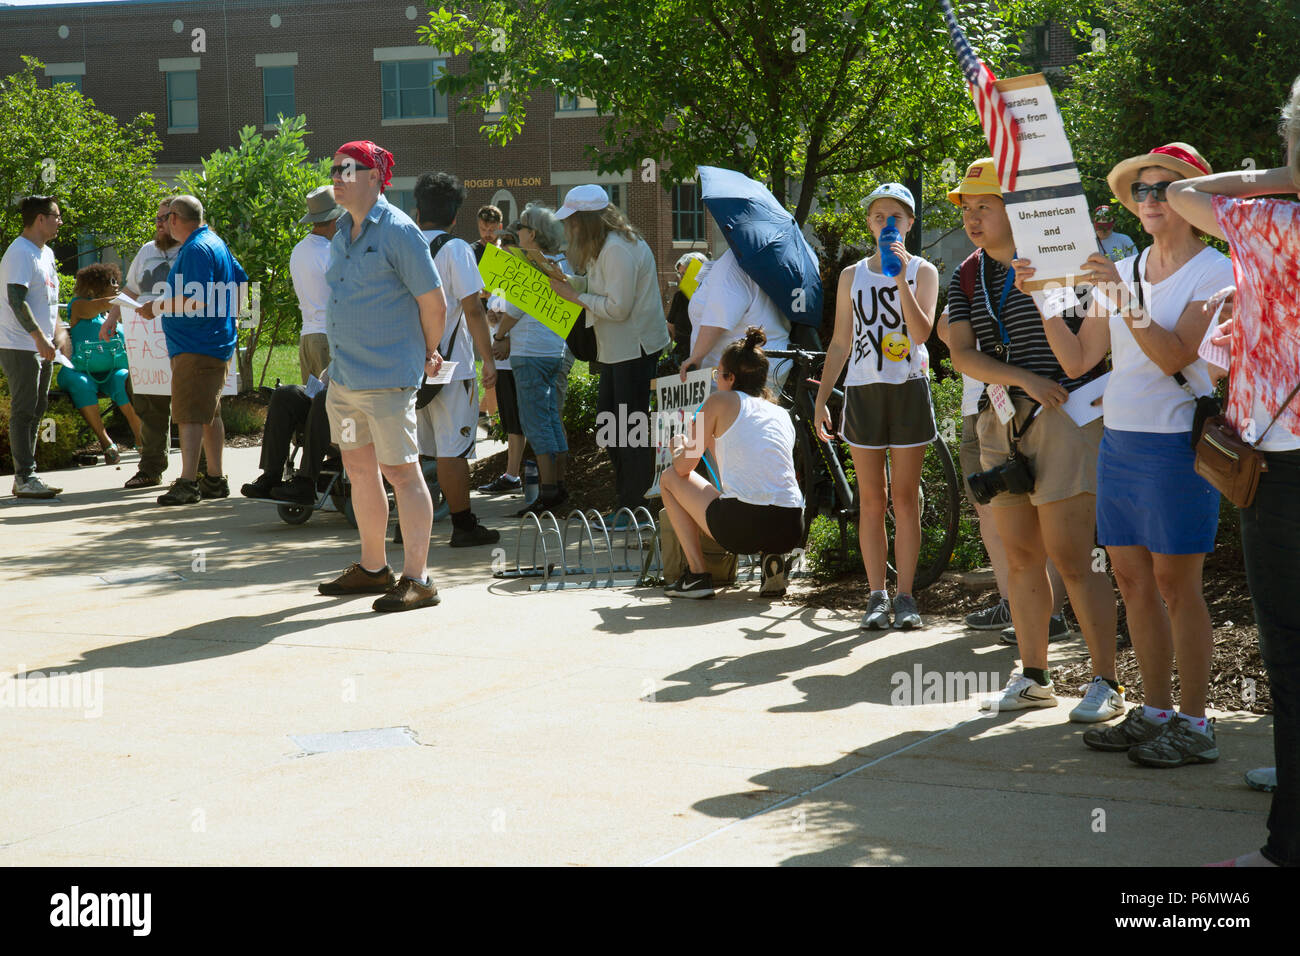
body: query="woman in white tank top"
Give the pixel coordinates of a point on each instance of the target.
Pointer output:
(759, 508)
(881, 325)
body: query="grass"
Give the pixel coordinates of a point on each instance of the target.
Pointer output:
(284, 365)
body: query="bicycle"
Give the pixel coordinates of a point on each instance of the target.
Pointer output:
(823, 470)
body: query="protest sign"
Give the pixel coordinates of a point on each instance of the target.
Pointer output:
(691, 277)
(526, 287)
(146, 349)
(1048, 209)
(675, 405)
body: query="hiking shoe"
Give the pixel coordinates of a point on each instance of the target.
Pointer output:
(357, 580)
(1057, 630)
(472, 537)
(33, 487)
(1021, 693)
(992, 618)
(210, 487)
(555, 506)
(773, 568)
(259, 487)
(1176, 745)
(906, 615)
(502, 486)
(407, 595)
(182, 492)
(1263, 779)
(299, 490)
(1136, 728)
(876, 617)
(141, 480)
(112, 455)
(691, 585)
(1098, 704)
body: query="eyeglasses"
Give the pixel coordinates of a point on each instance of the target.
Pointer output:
(336, 172)
(1156, 191)
(162, 218)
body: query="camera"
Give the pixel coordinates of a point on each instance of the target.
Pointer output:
(1014, 476)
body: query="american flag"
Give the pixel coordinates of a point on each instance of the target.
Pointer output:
(1000, 127)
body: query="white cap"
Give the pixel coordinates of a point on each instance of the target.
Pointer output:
(892, 191)
(685, 260)
(589, 198)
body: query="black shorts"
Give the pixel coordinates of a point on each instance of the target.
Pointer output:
(508, 402)
(883, 415)
(743, 528)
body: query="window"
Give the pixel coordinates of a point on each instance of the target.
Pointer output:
(565, 103)
(182, 100)
(72, 81)
(500, 104)
(277, 94)
(403, 199)
(688, 213)
(408, 89)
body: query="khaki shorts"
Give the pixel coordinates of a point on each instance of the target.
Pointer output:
(197, 381)
(1063, 455)
(383, 417)
(968, 454)
(313, 354)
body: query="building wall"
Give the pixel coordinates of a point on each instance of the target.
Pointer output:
(117, 49)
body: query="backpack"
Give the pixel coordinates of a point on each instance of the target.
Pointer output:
(968, 275)
(427, 392)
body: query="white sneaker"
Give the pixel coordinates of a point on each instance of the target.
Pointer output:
(1021, 693)
(1099, 704)
(33, 487)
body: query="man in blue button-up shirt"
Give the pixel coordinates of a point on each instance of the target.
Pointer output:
(384, 320)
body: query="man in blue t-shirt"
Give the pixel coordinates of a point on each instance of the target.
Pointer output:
(198, 306)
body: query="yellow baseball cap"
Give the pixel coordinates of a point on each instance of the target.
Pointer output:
(981, 180)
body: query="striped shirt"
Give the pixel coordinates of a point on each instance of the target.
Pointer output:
(1029, 347)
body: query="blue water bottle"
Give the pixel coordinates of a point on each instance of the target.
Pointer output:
(890, 264)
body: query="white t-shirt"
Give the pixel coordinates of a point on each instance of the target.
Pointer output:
(150, 267)
(733, 301)
(971, 390)
(26, 264)
(1118, 246)
(1139, 396)
(882, 351)
(460, 278)
(307, 264)
(529, 337)
(496, 303)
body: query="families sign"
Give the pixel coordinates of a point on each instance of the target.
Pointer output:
(146, 348)
(526, 287)
(1048, 209)
(675, 405)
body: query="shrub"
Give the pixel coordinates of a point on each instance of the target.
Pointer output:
(243, 416)
(69, 432)
(580, 402)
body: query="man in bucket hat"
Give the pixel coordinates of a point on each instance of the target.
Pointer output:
(307, 264)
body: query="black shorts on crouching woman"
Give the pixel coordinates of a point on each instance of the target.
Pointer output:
(743, 528)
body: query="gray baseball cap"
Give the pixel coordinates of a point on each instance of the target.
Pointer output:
(321, 206)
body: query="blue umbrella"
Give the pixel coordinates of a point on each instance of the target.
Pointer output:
(767, 242)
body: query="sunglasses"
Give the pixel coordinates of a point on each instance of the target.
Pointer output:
(336, 172)
(1140, 191)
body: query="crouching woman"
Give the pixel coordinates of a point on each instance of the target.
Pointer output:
(759, 508)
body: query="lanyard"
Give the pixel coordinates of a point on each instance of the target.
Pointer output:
(1002, 303)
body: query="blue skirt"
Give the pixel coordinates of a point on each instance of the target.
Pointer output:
(1149, 495)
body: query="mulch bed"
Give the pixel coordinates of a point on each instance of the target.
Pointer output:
(590, 479)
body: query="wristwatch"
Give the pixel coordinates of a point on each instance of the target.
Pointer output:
(500, 338)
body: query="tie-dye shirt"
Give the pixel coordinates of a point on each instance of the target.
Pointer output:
(1265, 238)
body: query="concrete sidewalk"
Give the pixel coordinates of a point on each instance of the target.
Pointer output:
(576, 727)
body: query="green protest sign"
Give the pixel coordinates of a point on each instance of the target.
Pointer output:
(526, 287)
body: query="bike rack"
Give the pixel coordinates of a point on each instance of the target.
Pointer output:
(587, 527)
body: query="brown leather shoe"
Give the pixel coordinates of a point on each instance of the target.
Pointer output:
(357, 580)
(407, 595)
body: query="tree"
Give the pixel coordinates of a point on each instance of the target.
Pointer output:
(253, 196)
(812, 98)
(1212, 73)
(100, 170)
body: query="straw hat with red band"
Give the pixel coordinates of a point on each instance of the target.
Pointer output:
(1178, 158)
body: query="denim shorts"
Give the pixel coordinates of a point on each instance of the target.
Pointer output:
(539, 402)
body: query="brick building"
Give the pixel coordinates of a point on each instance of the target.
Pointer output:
(354, 68)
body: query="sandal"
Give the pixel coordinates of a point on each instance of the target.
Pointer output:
(112, 455)
(141, 480)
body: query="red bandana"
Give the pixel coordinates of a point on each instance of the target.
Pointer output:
(370, 156)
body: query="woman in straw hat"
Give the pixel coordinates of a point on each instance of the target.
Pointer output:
(1155, 516)
(1263, 407)
(995, 335)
